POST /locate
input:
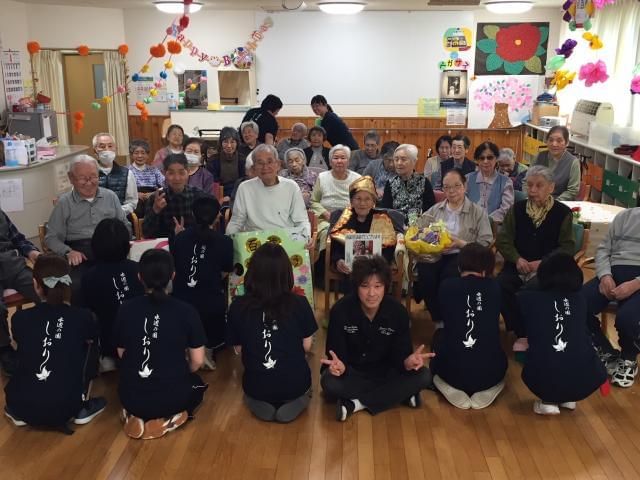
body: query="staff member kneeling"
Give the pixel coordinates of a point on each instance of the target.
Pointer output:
(370, 362)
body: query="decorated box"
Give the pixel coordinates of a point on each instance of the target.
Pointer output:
(245, 243)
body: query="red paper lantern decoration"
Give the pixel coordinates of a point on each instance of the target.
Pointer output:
(123, 49)
(83, 50)
(184, 21)
(33, 47)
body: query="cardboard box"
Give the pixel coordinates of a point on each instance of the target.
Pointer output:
(543, 110)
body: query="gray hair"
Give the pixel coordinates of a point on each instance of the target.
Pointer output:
(372, 135)
(78, 159)
(293, 150)
(94, 140)
(337, 147)
(139, 144)
(248, 162)
(265, 147)
(252, 124)
(506, 156)
(541, 171)
(410, 150)
(300, 127)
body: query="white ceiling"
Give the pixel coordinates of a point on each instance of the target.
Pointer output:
(275, 5)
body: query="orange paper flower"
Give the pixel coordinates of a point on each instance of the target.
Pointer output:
(33, 47)
(83, 50)
(123, 49)
(78, 115)
(158, 50)
(78, 125)
(140, 106)
(174, 47)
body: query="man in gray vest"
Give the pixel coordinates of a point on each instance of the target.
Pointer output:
(118, 179)
(16, 275)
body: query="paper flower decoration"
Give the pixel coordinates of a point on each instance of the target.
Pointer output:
(635, 85)
(163, 74)
(184, 21)
(594, 41)
(174, 47)
(578, 14)
(562, 78)
(148, 100)
(121, 89)
(140, 106)
(33, 47)
(168, 64)
(153, 92)
(515, 93)
(83, 50)
(145, 68)
(556, 62)
(96, 106)
(106, 100)
(123, 49)
(514, 48)
(78, 116)
(593, 73)
(567, 48)
(135, 77)
(242, 58)
(600, 4)
(158, 51)
(193, 86)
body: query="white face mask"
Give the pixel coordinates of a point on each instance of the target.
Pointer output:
(106, 157)
(192, 159)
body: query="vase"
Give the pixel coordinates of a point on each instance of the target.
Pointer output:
(500, 116)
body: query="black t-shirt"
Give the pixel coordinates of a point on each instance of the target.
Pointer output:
(199, 267)
(371, 346)
(155, 337)
(106, 286)
(468, 353)
(52, 348)
(562, 365)
(338, 132)
(275, 368)
(267, 123)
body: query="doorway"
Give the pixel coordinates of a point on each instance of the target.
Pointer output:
(83, 84)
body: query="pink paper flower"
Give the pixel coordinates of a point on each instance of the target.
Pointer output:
(593, 73)
(635, 84)
(599, 4)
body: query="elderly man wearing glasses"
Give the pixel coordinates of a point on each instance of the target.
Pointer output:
(76, 214)
(269, 201)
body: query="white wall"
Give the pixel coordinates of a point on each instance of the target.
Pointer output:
(14, 36)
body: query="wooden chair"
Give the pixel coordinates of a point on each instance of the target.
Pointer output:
(333, 275)
(136, 223)
(42, 232)
(13, 299)
(582, 243)
(313, 253)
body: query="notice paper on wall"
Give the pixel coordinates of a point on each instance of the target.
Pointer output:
(429, 107)
(11, 195)
(456, 116)
(12, 77)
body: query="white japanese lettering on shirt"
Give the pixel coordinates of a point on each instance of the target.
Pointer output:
(145, 369)
(469, 341)
(560, 344)
(267, 332)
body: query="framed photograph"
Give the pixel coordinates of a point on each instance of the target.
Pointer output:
(361, 244)
(453, 88)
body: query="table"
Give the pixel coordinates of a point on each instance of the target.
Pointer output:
(596, 217)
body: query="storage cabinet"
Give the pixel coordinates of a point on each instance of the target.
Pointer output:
(614, 179)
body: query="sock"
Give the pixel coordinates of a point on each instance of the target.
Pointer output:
(358, 405)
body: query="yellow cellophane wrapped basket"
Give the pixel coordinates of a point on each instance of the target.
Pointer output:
(427, 243)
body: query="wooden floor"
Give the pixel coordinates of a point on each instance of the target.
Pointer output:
(600, 440)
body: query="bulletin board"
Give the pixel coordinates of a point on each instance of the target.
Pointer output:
(371, 58)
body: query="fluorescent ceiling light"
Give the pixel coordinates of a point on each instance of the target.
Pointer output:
(176, 6)
(509, 6)
(341, 8)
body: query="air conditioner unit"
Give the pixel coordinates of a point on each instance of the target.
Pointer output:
(587, 111)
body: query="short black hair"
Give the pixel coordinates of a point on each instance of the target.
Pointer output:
(271, 103)
(364, 267)
(205, 212)
(559, 128)
(321, 100)
(110, 240)
(464, 139)
(442, 139)
(486, 146)
(156, 268)
(473, 257)
(317, 129)
(174, 158)
(558, 271)
(456, 171)
(388, 148)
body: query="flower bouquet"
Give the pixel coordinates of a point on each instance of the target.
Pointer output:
(427, 243)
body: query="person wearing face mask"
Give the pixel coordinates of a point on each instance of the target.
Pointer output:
(148, 178)
(199, 177)
(118, 179)
(228, 165)
(174, 137)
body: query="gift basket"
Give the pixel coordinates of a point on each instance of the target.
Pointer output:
(427, 242)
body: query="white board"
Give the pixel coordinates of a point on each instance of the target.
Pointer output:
(371, 58)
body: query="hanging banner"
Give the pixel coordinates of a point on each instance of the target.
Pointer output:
(457, 39)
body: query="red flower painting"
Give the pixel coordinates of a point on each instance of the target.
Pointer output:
(517, 43)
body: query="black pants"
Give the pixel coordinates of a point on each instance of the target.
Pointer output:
(22, 282)
(83, 246)
(627, 315)
(376, 392)
(430, 276)
(510, 284)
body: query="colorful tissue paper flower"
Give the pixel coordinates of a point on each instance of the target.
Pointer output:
(135, 77)
(515, 93)
(514, 48)
(594, 41)
(163, 74)
(121, 89)
(562, 78)
(174, 47)
(600, 4)
(106, 99)
(635, 85)
(567, 48)
(123, 49)
(95, 106)
(555, 63)
(83, 50)
(168, 64)
(33, 47)
(593, 73)
(158, 51)
(145, 68)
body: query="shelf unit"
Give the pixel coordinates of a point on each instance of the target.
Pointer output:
(614, 179)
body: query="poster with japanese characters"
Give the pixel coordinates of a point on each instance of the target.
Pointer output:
(361, 245)
(246, 243)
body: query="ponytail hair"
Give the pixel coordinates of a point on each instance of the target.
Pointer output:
(205, 212)
(156, 269)
(54, 270)
(321, 99)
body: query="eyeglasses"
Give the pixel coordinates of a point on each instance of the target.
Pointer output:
(448, 188)
(488, 157)
(85, 180)
(267, 163)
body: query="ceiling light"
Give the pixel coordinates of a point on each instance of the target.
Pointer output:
(341, 8)
(176, 6)
(508, 6)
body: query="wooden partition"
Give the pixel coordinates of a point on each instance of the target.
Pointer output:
(422, 132)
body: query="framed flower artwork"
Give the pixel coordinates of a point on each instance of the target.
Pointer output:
(511, 48)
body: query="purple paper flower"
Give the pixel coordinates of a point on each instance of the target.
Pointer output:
(567, 48)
